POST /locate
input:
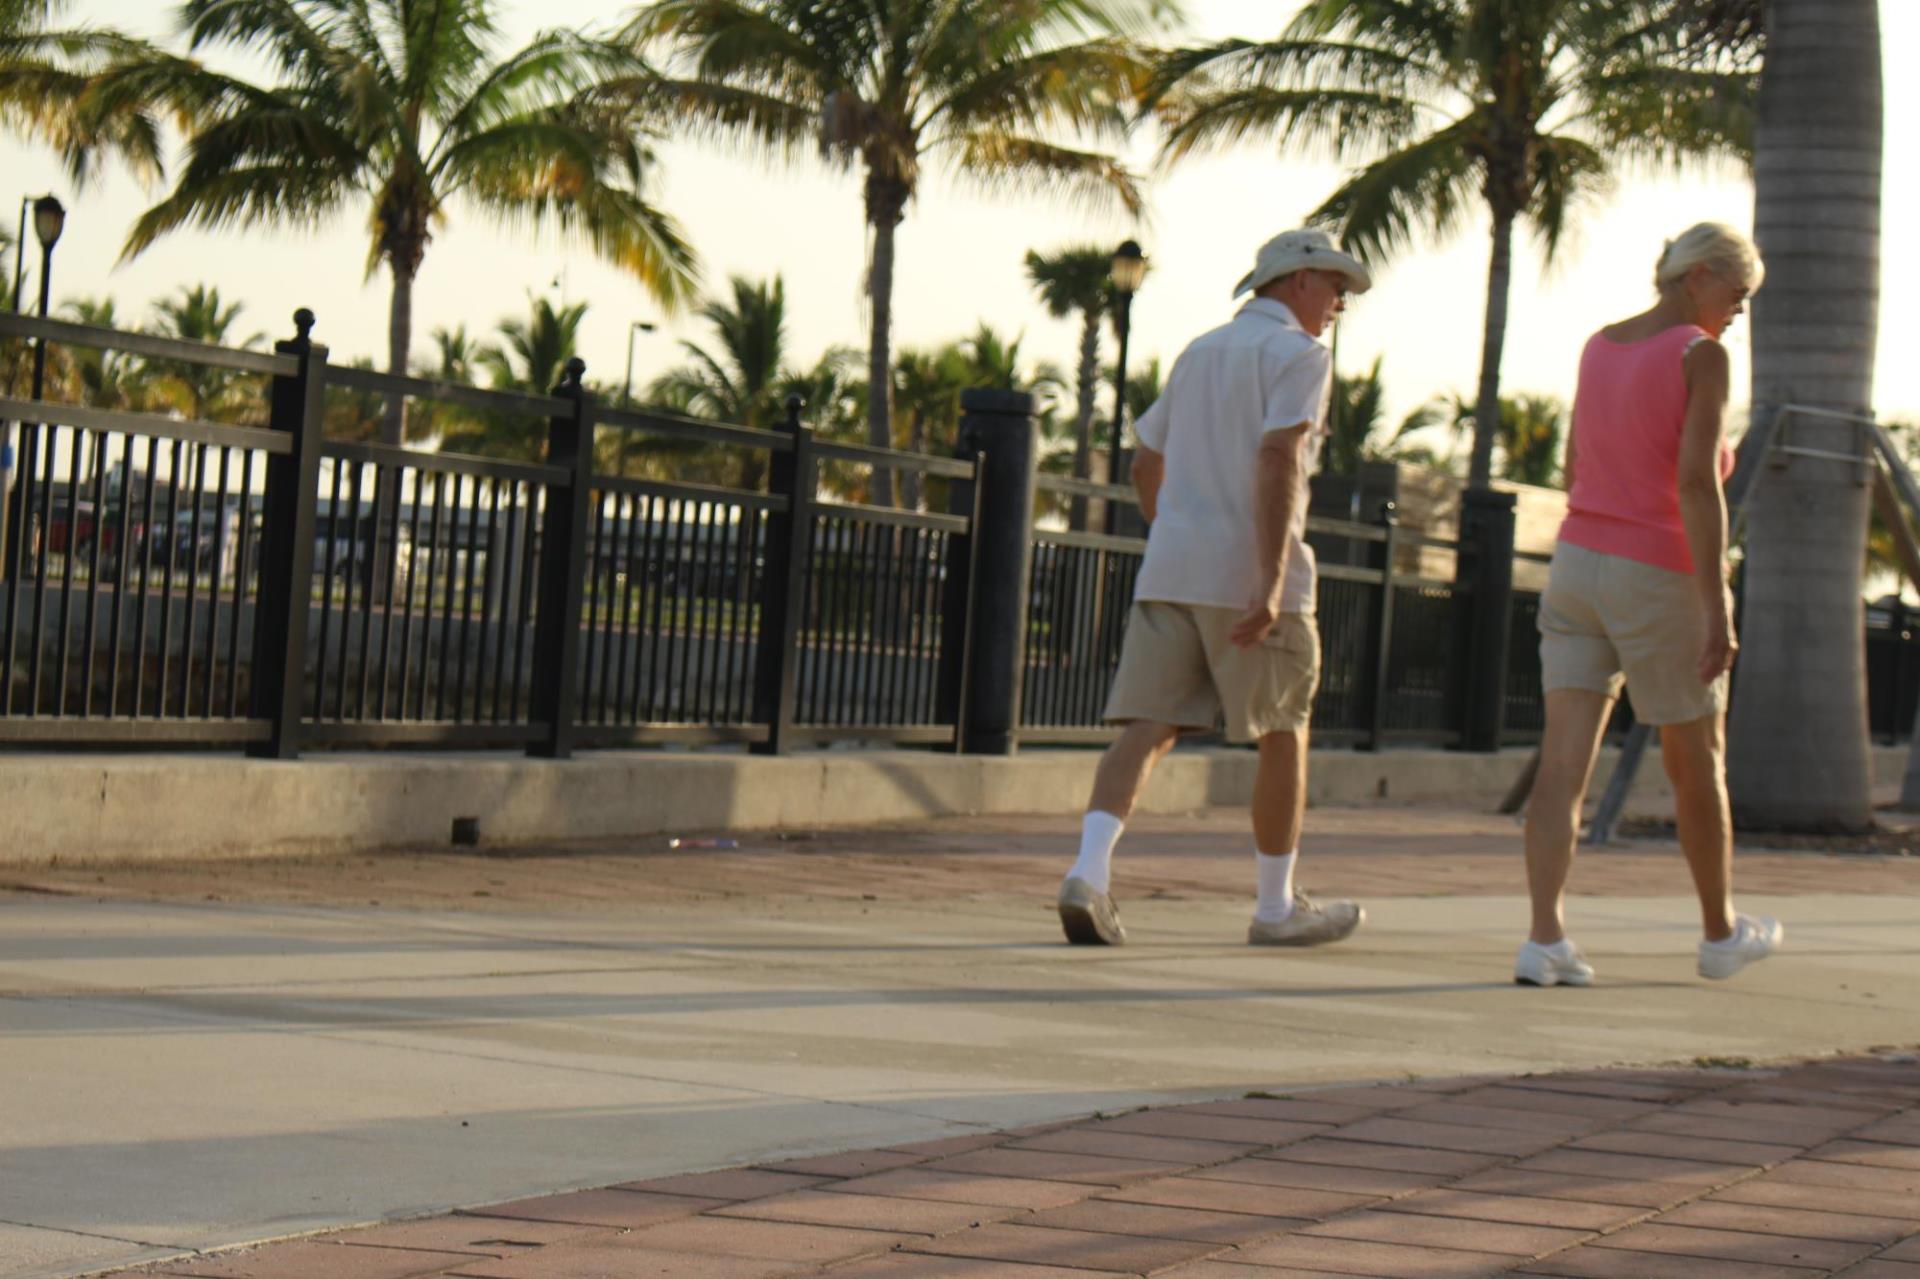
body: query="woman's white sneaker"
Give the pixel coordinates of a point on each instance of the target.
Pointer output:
(1754, 937)
(1560, 964)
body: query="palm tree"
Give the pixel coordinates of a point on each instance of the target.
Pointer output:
(197, 313)
(992, 87)
(530, 356)
(409, 106)
(1527, 106)
(927, 387)
(1797, 752)
(1078, 280)
(1533, 431)
(104, 379)
(740, 380)
(45, 72)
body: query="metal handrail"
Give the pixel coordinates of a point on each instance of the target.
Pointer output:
(155, 348)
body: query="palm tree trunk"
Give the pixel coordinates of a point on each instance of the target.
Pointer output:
(1797, 755)
(880, 349)
(1083, 420)
(1486, 411)
(393, 418)
(399, 343)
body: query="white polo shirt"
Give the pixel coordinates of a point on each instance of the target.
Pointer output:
(1259, 372)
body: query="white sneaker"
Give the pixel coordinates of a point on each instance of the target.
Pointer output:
(1312, 923)
(1538, 965)
(1754, 937)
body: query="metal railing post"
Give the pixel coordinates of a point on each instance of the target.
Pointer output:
(1486, 521)
(555, 689)
(957, 596)
(1380, 627)
(999, 425)
(286, 546)
(792, 474)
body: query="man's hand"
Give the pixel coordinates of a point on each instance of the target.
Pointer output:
(1255, 626)
(1721, 647)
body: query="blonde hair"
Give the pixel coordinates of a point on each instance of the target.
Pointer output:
(1714, 245)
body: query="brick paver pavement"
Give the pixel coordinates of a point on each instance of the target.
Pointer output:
(1787, 1172)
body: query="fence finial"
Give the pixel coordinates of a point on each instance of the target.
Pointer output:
(795, 402)
(303, 321)
(575, 370)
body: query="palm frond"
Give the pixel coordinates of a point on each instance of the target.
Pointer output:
(1084, 87)
(1389, 204)
(288, 194)
(1663, 115)
(997, 163)
(1568, 173)
(1298, 64)
(1336, 122)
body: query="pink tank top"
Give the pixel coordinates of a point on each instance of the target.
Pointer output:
(1627, 415)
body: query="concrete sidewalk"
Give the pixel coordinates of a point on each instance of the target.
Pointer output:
(72, 809)
(186, 1074)
(1788, 1173)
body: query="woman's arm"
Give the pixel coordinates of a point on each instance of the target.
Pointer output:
(1703, 506)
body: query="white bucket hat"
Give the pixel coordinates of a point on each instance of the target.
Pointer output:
(1302, 250)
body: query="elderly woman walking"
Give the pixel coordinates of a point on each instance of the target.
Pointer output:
(1638, 593)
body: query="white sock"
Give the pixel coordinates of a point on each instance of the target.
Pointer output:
(1562, 949)
(1276, 886)
(1099, 832)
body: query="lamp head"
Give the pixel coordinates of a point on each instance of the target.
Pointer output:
(49, 219)
(1129, 268)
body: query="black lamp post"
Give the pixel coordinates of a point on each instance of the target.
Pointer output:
(49, 219)
(1128, 272)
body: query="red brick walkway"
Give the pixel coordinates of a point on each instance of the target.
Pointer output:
(1784, 1173)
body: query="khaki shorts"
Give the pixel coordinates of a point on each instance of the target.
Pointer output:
(1605, 617)
(1178, 667)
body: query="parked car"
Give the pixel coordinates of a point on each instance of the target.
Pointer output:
(341, 546)
(208, 547)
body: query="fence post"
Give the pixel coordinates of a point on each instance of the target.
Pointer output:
(555, 688)
(998, 426)
(286, 545)
(956, 597)
(1380, 625)
(1487, 521)
(794, 475)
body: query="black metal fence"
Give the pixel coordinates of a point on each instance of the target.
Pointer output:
(180, 582)
(177, 582)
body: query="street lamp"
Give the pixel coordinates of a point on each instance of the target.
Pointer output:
(1128, 272)
(49, 219)
(633, 332)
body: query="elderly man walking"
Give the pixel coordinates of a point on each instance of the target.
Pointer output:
(1222, 620)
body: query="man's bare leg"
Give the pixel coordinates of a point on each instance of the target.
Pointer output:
(1127, 765)
(1087, 912)
(1279, 812)
(1280, 792)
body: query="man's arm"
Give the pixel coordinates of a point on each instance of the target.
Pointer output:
(1278, 467)
(1703, 506)
(1149, 469)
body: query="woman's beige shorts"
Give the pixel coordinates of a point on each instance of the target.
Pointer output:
(1605, 616)
(1178, 667)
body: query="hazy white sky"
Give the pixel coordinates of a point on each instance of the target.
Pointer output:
(960, 254)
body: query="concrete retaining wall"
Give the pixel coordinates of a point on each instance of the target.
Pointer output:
(76, 808)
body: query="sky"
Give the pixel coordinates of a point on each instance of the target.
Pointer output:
(960, 254)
